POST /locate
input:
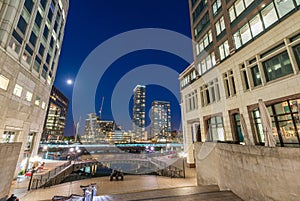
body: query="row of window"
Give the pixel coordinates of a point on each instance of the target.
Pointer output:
(18, 89)
(237, 8)
(207, 63)
(264, 19)
(204, 42)
(198, 11)
(186, 80)
(191, 101)
(210, 93)
(48, 58)
(271, 69)
(285, 124)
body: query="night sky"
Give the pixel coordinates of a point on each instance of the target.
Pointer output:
(90, 23)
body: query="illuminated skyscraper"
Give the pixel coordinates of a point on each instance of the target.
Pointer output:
(139, 111)
(56, 116)
(160, 120)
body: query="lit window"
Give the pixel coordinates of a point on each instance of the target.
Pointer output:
(269, 15)
(220, 25)
(284, 7)
(18, 90)
(239, 7)
(231, 13)
(248, 2)
(224, 50)
(28, 96)
(237, 40)
(277, 66)
(245, 33)
(256, 25)
(37, 100)
(3, 82)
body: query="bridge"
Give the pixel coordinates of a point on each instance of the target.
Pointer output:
(165, 164)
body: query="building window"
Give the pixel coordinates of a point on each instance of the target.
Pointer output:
(28, 96)
(245, 33)
(18, 90)
(37, 100)
(224, 50)
(239, 7)
(284, 7)
(32, 39)
(269, 15)
(210, 93)
(244, 78)
(285, 122)
(256, 77)
(204, 42)
(215, 129)
(43, 105)
(191, 76)
(204, 22)
(256, 25)
(22, 25)
(216, 6)
(8, 136)
(201, 6)
(229, 84)
(207, 63)
(277, 66)
(3, 82)
(29, 5)
(297, 54)
(220, 25)
(191, 101)
(37, 64)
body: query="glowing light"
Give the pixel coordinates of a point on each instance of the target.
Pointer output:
(69, 81)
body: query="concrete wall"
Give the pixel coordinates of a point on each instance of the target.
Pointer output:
(254, 173)
(9, 153)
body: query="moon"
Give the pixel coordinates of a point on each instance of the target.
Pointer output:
(69, 81)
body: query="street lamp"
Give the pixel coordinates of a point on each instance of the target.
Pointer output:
(183, 155)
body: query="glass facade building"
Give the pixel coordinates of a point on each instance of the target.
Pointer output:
(139, 112)
(160, 120)
(55, 121)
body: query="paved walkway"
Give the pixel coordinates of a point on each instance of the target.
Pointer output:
(132, 188)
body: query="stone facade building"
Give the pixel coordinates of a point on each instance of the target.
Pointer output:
(31, 34)
(244, 50)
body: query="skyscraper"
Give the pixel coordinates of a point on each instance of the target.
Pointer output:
(55, 121)
(160, 120)
(244, 50)
(31, 34)
(139, 112)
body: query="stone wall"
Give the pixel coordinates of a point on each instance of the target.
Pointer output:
(9, 153)
(254, 173)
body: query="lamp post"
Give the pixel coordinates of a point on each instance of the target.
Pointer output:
(183, 155)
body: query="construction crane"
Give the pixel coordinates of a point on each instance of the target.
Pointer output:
(100, 111)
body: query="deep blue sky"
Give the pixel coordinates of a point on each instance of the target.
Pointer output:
(90, 23)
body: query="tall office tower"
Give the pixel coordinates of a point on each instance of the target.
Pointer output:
(31, 34)
(92, 131)
(244, 50)
(55, 121)
(139, 114)
(160, 120)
